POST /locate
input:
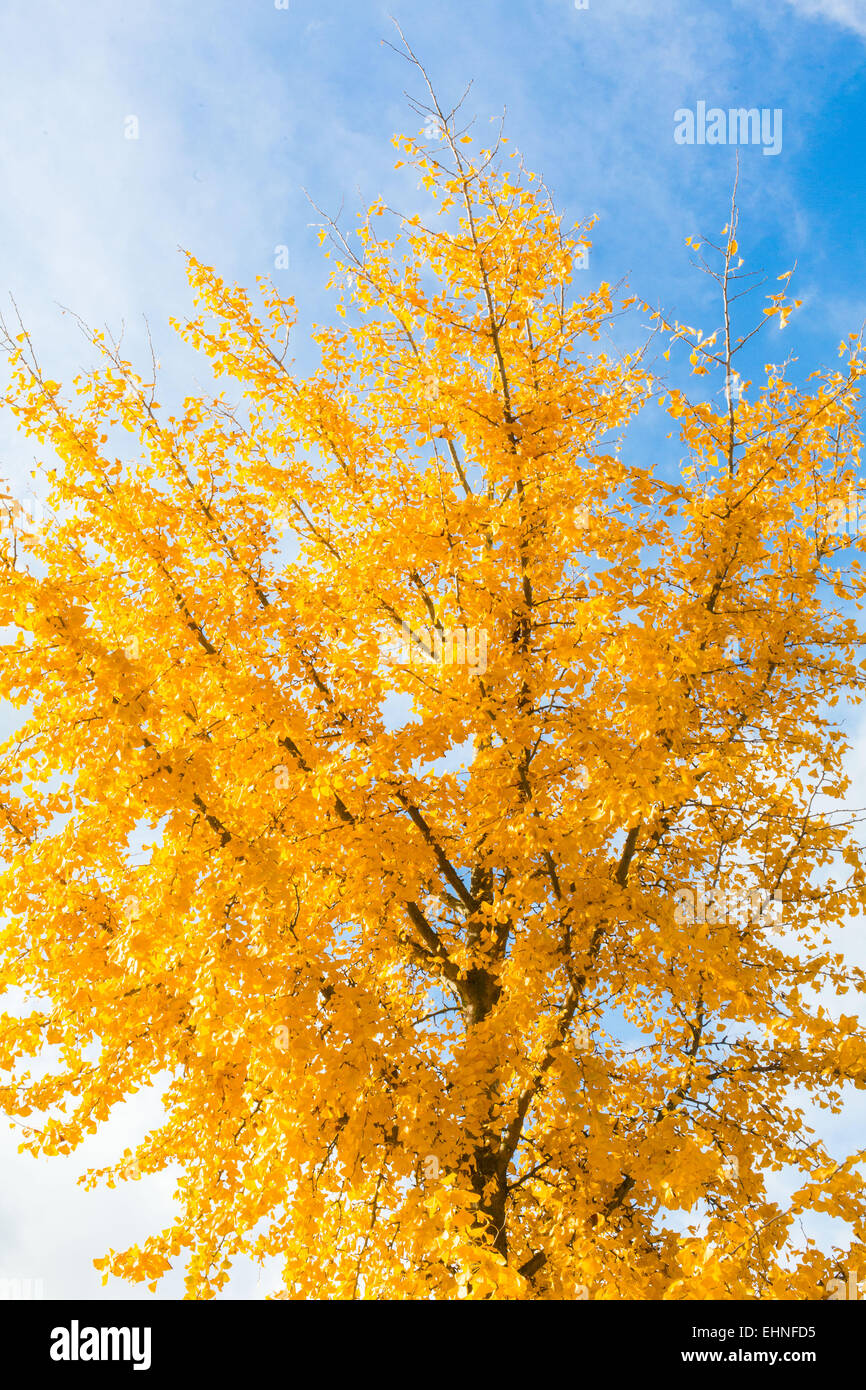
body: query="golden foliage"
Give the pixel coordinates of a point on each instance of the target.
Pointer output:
(440, 1032)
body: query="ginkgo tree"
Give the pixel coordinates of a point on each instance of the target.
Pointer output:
(445, 806)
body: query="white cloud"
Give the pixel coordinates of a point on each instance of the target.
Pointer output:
(851, 14)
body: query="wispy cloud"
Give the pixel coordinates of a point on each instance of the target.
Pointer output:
(851, 14)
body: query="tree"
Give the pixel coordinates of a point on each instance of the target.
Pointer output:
(538, 1024)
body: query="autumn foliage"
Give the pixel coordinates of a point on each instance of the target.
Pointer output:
(464, 977)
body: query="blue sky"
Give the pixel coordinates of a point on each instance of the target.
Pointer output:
(243, 106)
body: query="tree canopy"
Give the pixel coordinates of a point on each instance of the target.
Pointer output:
(447, 805)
